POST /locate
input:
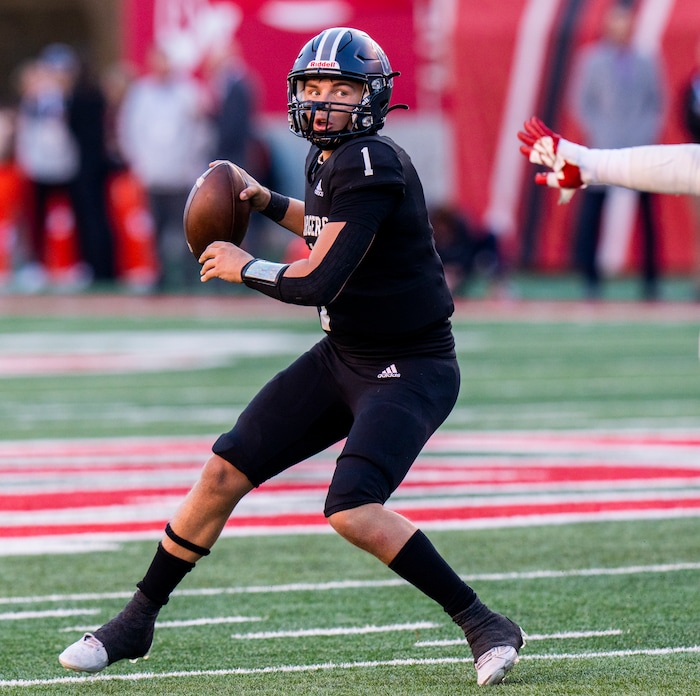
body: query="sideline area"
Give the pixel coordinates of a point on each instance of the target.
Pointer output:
(246, 304)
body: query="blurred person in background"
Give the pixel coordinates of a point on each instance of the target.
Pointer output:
(233, 95)
(233, 102)
(87, 113)
(60, 148)
(465, 249)
(165, 140)
(115, 81)
(618, 100)
(691, 121)
(47, 155)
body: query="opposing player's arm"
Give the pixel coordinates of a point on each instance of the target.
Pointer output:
(671, 169)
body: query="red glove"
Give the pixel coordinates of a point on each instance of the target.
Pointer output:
(540, 145)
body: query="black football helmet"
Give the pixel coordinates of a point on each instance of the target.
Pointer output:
(350, 54)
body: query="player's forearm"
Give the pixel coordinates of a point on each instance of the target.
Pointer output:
(285, 211)
(293, 219)
(653, 168)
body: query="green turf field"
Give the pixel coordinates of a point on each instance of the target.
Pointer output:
(612, 607)
(515, 375)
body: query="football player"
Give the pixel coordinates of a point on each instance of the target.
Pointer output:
(383, 378)
(652, 168)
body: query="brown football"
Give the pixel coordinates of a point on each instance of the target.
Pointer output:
(214, 212)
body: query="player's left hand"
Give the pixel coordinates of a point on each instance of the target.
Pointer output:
(540, 145)
(223, 260)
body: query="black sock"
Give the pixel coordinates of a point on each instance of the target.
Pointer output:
(130, 633)
(419, 563)
(163, 576)
(485, 629)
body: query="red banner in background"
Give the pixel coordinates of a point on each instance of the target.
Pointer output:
(270, 34)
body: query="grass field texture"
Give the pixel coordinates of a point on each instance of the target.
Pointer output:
(611, 606)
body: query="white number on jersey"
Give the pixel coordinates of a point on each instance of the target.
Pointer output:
(368, 163)
(325, 319)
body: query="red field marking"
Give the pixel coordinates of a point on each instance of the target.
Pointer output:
(132, 486)
(419, 515)
(423, 477)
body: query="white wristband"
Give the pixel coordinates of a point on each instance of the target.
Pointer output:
(263, 271)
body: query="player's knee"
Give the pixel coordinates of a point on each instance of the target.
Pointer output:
(221, 479)
(340, 522)
(356, 525)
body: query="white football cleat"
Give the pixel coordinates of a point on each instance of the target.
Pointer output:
(493, 666)
(85, 655)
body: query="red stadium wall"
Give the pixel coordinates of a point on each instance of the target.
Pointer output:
(500, 59)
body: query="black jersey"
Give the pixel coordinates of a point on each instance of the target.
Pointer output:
(398, 287)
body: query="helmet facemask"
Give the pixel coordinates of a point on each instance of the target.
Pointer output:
(303, 113)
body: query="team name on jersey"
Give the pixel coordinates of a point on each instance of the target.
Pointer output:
(313, 225)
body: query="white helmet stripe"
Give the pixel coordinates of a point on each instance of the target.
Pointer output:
(336, 43)
(334, 37)
(319, 50)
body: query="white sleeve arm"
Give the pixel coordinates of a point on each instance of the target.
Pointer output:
(653, 168)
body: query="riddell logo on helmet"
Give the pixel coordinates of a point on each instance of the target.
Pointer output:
(324, 64)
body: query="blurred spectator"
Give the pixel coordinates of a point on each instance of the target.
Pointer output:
(465, 249)
(115, 81)
(46, 151)
(164, 138)
(233, 93)
(233, 103)
(618, 100)
(691, 116)
(60, 148)
(87, 112)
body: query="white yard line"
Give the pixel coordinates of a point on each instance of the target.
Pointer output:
(184, 623)
(336, 631)
(329, 666)
(362, 584)
(564, 635)
(49, 614)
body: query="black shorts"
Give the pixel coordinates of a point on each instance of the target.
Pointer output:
(386, 409)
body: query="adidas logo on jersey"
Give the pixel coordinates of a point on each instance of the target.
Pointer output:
(389, 372)
(318, 191)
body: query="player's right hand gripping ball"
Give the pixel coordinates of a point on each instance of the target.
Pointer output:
(214, 211)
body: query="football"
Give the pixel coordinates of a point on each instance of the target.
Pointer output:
(214, 212)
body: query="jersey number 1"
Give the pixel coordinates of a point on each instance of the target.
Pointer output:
(368, 164)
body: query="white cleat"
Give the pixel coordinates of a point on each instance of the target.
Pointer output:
(85, 655)
(493, 666)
